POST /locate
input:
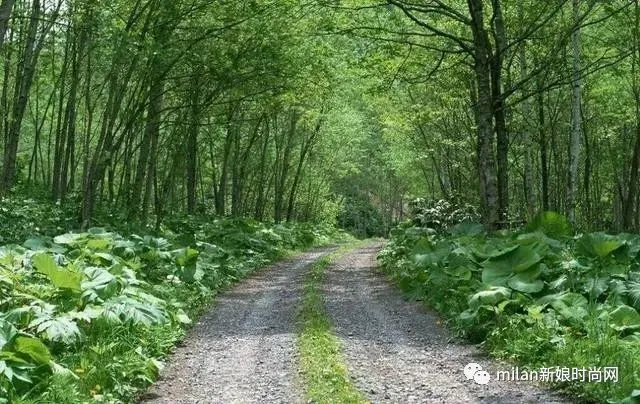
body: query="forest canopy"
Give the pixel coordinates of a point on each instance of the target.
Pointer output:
(323, 111)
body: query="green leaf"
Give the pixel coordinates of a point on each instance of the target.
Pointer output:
(124, 309)
(60, 329)
(60, 277)
(550, 223)
(187, 259)
(7, 332)
(33, 348)
(70, 238)
(517, 260)
(490, 297)
(571, 306)
(99, 283)
(98, 244)
(598, 245)
(523, 283)
(182, 317)
(624, 318)
(489, 251)
(43, 244)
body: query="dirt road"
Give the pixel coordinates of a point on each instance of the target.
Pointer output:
(243, 351)
(396, 351)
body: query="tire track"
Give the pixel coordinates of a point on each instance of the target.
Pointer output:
(243, 350)
(396, 350)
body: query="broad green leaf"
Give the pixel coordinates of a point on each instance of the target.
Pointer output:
(489, 297)
(594, 287)
(7, 332)
(571, 306)
(498, 269)
(57, 328)
(60, 277)
(550, 223)
(624, 318)
(71, 238)
(489, 251)
(98, 244)
(124, 309)
(186, 259)
(182, 317)
(525, 284)
(34, 348)
(99, 281)
(598, 245)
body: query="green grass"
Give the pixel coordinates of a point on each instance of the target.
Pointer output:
(325, 374)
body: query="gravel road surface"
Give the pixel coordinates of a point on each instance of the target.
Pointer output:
(397, 352)
(243, 351)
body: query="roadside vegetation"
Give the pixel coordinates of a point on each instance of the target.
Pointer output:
(541, 296)
(91, 315)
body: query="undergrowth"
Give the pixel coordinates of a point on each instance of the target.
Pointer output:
(538, 297)
(89, 316)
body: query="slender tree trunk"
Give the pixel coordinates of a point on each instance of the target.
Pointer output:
(628, 202)
(484, 117)
(221, 194)
(192, 145)
(307, 146)
(576, 117)
(5, 14)
(544, 154)
(24, 79)
(284, 163)
(499, 110)
(529, 185)
(262, 175)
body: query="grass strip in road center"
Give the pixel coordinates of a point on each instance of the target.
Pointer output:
(324, 372)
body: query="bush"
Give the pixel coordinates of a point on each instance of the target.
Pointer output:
(441, 214)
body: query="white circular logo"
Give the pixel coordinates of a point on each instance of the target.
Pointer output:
(481, 377)
(473, 371)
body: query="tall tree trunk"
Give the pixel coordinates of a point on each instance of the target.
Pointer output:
(306, 148)
(628, 202)
(262, 175)
(5, 14)
(221, 194)
(529, 185)
(24, 78)
(192, 144)
(284, 163)
(544, 153)
(484, 117)
(499, 110)
(576, 116)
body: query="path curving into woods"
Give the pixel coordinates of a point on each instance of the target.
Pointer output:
(244, 350)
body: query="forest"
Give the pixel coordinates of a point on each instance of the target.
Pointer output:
(155, 153)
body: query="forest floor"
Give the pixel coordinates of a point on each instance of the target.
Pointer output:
(395, 351)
